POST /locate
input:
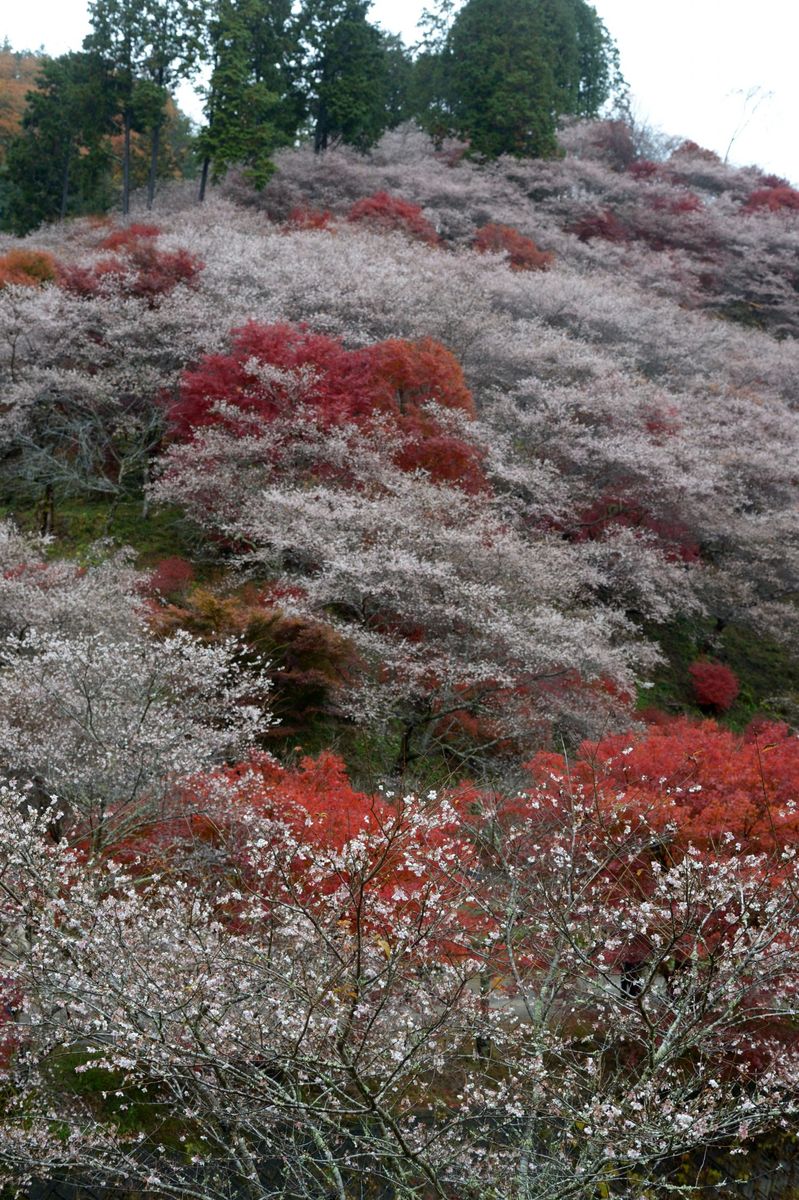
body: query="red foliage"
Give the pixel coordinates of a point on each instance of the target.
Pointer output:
(129, 237)
(687, 202)
(693, 779)
(643, 169)
(140, 270)
(605, 225)
(772, 199)
(28, 267)
(662, 422)
(393, 214)
(170, 578)
(408, 375)
(609, 511)
(340, 390)
(395, 379)
(715, 686)
(689, 149)
(522, 252)
(301, 217)
(316, 812)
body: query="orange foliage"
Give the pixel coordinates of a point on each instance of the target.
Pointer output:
(315, 812)
(307, 660)
(308, 218)
(397, 379)
(391, 214)
(28, 267)
(522, 252)
(604, 225)
(697, 782)
(129, 237)
(18, 72)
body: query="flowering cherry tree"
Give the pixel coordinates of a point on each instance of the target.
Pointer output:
(529, 994)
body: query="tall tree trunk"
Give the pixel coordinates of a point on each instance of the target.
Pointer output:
(126, 164)
(47, 512)
(320, 130)
(155, 146)
(204, 178)
(65, 182)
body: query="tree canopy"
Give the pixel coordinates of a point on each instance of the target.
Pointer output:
(509, 68)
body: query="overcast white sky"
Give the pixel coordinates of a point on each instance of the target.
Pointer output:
(688, 62)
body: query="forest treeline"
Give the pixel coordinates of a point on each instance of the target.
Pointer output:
(96, 122)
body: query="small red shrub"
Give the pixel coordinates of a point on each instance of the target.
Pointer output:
(170, 578)
(772, 199)
(129, 237)
(643, 169)
(715, 686)
(393, 214)
(689, 149)
(605, 225)
(679, 204)
(522, 252)
(308, 218)
(143, 271)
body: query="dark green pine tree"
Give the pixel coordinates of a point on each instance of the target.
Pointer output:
(58, 164)
(252, 103)
(509, 68)
(346, 73)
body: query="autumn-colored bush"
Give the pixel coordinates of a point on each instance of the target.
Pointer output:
(521, 252)
(170, 578)
(715, 686)
(689, 149)
(393, 214)
(593, 523)
(698, 782)
(396, 380)
(644, 168)
(140, 270)
(307, 660)
(129, 237)
(303, 218)
(337, 381)
(27, 267)
(677, 204)
(772, 199)
(603, 225)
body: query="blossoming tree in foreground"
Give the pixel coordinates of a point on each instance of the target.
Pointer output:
(294, 988)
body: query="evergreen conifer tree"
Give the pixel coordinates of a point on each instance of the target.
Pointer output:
(509, 68)
(346, 73)
(252, 103)
(58, 164)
